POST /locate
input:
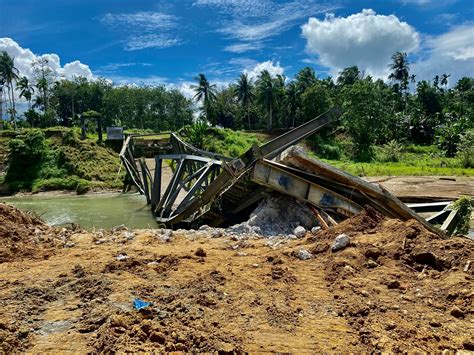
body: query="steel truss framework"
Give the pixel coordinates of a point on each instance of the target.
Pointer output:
(208, 184)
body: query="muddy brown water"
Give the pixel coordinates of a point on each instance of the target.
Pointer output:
(89, 211)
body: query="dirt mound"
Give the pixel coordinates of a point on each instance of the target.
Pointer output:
(395, 275)
(395, 287)
(23, 235)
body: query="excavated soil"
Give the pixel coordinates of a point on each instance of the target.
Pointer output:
(21, 233)
(396, 287)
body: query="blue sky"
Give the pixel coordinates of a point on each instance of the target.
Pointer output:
(170, 42)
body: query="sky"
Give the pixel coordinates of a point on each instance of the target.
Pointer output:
(147, 42)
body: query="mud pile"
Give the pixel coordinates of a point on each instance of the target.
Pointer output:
(394, 288)
(23, 235)
(396, 283)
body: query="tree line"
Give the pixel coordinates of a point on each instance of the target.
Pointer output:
(400, 109)
(52, 102)
(374, 111)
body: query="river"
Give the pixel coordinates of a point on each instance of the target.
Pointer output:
(89, 211)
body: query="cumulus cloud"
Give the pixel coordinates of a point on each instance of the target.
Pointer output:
(273, 68)
(451, 53)
(24, 59)
(364, 39)
(144, 29)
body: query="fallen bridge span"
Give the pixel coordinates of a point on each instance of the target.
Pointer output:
(202, 187)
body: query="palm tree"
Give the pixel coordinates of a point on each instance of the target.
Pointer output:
(206, 93)
(266, 95)
(292, 100)
(444, 79)
(26, 89)
(9, 73)
(400, 69)
(348, 76)
(305, 78)
(244, 93)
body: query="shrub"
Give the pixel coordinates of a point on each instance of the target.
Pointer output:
(464, 208)
(24, 160)
(196, 133)
(466, 149)
(392, 151)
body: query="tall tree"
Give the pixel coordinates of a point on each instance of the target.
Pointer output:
(206, 93)
(44, 80)
(2, 85)
(26, 89)
(292, 101)
(244, 94)
(305, 78)
(348, 76)
(400, 69)
(9, 73)
(266, 95)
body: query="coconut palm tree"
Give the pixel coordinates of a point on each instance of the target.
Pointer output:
(400, 69)
(266, 95)
(292, 100)
(305, 78)
(9, 73)
(244, 93)
(444, 79)
(26, 89)
(206, 93)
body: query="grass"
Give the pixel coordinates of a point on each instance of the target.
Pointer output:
(414, 160)
(231, 143)
(426, 161)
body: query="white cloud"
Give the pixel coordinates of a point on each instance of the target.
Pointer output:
(144, 29)
(146, 21)
(76, 68)
(243, 47)
(185, 88)
(364, 39)
(239, 8)
(251, 23)
(24, 58)
(451, 53)
(457, 43)
(134, 43)
(273, 68)
(416, 2)
(152, 80)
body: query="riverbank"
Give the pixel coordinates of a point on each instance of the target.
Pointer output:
(53, 193)
(56, 159)
(395, 288)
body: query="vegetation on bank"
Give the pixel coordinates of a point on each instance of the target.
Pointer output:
(400, 126)
(392, 159)
(56, 159)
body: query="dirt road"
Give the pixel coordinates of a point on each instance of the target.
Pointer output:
(395, 288)
(443, 187)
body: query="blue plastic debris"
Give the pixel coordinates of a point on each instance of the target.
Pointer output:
(140, 304)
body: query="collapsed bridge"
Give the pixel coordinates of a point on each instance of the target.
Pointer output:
(207, 188)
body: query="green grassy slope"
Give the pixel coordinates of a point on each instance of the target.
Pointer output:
(66, 163)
